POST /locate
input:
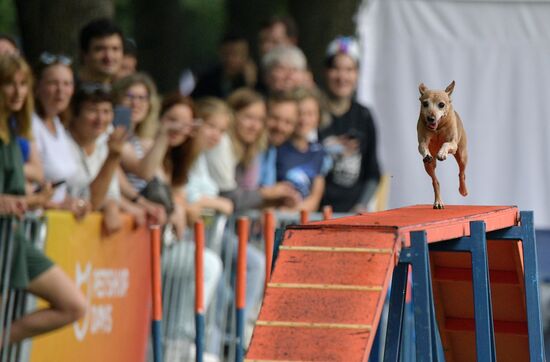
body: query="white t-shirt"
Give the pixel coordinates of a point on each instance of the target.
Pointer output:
(58, 160)
(88, 168)
(200, 183)
(222, 164)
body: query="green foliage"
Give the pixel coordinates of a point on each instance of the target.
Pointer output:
(205, 27)
(8, 20)
(124, 15)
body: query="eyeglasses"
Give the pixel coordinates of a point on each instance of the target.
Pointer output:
(137, 97)
(47, 58)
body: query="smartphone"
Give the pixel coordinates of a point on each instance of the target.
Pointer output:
(122, 117)
(54, 186)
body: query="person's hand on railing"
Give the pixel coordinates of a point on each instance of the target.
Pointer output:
(112, 220)
(193, 212)
(155, 213)
(281, 194)
(79, 207)
(178, 220)
(41, 197)
(12, 205)
(137, 212)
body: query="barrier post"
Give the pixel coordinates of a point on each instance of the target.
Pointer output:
(156, 329)
(327, 212)
(304, 216)
(7, 226)
(240, 298)
(269, 236)
(199, 290)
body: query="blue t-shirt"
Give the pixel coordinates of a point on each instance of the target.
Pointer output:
(25, 147)
(301, 168)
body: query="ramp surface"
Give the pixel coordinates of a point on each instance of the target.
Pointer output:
(330, 281)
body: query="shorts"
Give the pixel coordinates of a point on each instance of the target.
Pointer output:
(27, 261)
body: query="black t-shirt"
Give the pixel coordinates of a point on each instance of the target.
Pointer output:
(351, 141)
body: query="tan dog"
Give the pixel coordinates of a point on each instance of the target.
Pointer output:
(440, 133)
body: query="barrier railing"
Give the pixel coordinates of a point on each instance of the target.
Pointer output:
(14, 303)
(87, 256)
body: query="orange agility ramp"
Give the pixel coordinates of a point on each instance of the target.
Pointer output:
(331, 278)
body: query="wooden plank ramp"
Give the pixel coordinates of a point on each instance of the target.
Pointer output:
(330, 281)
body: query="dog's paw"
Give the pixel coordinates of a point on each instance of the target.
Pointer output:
(428, 159)
(442, 156)
(438, 205)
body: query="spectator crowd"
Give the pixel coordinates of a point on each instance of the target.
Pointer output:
(96, 135)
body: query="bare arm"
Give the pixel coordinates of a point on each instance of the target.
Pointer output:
(178, 218)
(33, 169)
(100, 185)
(312, 202)
(220, 204)
(112, 221)
(148, 165)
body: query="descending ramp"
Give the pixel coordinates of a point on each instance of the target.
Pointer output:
(326, 294)
(453, 294)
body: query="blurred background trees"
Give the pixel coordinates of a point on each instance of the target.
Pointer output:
(173, 35)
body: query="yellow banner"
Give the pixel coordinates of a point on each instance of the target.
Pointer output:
(115, 274)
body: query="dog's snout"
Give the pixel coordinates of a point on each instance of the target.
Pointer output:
(430, 119)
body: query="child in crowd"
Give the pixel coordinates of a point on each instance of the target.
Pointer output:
(301, 162)
(202, 190)
(216, 118)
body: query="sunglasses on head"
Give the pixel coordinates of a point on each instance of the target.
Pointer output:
(47, 58)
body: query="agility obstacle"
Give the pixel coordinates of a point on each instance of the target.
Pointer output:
(474, 287)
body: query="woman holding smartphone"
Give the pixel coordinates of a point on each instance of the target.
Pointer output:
(31, 270)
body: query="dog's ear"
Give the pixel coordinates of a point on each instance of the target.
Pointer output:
(450, 87)
(422, 88)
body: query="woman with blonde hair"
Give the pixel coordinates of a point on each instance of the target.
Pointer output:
(202, 190)
(139, 93)
(31, 270)
(234, 163)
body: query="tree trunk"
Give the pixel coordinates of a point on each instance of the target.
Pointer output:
(54, 25)
(159, 31)
(319, 23)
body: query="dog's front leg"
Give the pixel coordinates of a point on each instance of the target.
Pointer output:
(424, 151)
(446, 148)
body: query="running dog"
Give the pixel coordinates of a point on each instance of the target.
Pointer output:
(440, 133)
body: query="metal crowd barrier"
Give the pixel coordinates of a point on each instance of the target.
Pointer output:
(220, 340)
(15, 303)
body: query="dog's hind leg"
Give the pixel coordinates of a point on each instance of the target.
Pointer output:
(430, 169)
(462, 159)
